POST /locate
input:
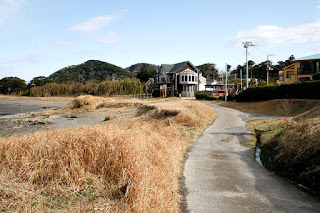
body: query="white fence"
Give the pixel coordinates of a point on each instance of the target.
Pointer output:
(140, 96)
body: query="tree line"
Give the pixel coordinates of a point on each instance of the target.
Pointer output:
(259, 71)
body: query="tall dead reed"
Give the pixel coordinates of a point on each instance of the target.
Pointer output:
(118, 87)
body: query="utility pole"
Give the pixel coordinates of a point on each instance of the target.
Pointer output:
(268, 68)
(226, 92)
(241, 78)
(246, 45)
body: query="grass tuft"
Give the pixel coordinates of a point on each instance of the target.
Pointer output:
(109, 117)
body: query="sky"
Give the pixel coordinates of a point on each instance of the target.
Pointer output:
(39, 37)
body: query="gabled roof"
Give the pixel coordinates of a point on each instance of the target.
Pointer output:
(172, 68)
(311, 57)
(289, 66)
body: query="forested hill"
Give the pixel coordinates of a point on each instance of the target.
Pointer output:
(141, 67)
(92, 70)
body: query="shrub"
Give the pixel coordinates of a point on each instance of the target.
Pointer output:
(156, 93)
(175, 93)
(204, 95)
(316, 76)
(231, 95)
(306, 90)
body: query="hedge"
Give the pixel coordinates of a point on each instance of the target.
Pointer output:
(204, 95)
(306, 90)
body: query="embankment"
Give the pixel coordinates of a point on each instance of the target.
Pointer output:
(291, 147)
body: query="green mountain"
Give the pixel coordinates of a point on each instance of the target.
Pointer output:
(142, 67)
(92, 70)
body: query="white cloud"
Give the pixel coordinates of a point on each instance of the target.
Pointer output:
(318, 5)
(110, 38)
(272, 35)
(11, 67)
(7, 7)
(63, 43)
(94, 24)
(31, 58)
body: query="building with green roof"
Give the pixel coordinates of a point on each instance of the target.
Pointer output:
(301, 70)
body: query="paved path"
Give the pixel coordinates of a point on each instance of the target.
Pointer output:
(221, 174)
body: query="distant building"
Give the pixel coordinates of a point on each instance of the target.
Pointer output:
(301, 70)
(184, 77)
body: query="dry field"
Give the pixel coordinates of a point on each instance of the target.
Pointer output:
(131, 166)
(285, 107)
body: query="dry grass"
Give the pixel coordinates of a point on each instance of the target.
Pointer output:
(285, 107)
(295, 152)
(291, 147)
(300, 139)
(269, 127)
(86, 169)
(86, 102)
(109, 117)
(313, 113)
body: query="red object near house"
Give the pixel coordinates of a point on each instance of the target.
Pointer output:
(218, 93)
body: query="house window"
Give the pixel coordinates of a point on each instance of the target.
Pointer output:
(308, 67)
(189, 77)
(288, 75)
(193, 78)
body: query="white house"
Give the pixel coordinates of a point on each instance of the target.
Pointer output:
(184, 77)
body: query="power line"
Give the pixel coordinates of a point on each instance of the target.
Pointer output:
(287, 44)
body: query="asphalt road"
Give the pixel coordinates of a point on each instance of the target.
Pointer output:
(221, 174)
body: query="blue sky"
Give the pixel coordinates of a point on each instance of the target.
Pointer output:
(39, 37)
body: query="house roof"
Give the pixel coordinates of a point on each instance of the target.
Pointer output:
(172, 68)
(289, 66)
(311, 57)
